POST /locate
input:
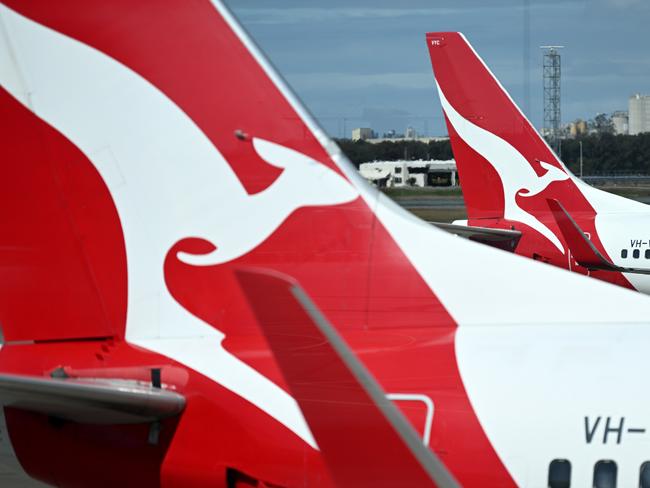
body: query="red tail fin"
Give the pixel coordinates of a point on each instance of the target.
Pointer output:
(474, 100)
(506, 168)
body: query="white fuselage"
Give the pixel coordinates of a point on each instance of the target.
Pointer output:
(563, 392)
(626, 237)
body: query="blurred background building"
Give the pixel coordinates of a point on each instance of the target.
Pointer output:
(410, 173)
(639, 114)
(620, 120)
(362, 133)
(578, 128)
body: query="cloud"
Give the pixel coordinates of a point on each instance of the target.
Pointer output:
(338, 81)
(297, 15)
(272, 16)
(343, 56)
(625, 3)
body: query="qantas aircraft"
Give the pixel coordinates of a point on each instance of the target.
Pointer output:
(199, 290)
(514, 182)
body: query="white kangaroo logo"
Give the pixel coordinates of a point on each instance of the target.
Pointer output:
(517, 175)
(168, 182)
(304, 182)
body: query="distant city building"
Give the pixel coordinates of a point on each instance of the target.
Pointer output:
(368, 135)
(577, 128)
(410, 173)
(639, 114)
(401, 138)
(362, 133)
(391, 134)
(621, 122)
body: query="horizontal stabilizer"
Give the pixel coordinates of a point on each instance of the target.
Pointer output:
(90, 401)
(363, 437)
(581, 247)
(505, 239)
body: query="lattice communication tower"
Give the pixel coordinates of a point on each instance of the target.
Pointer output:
(552, 112)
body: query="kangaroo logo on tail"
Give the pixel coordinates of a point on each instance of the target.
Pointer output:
(304, 182)
(168, 182)
(517, 176)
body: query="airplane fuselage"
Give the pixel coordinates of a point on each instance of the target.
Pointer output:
(623, 237)
(539, 393)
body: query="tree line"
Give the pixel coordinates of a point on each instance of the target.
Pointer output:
(602, 154)
(362, 152)
(608, 154)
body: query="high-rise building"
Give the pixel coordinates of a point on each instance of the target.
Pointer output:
(620, 121)
(410, 133)
(361, 134)
(578, 128)
(639, 114)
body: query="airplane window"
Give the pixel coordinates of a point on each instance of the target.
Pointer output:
(636, 253)
(647, 253)
(605, 474)
(623, 253)
(559, 474)
(644, 475)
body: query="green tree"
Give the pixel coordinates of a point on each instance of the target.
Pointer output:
(362, 152)
(603, 153)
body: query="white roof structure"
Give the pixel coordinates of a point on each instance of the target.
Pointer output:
(375, 166)
(406, 173)
(374, 172)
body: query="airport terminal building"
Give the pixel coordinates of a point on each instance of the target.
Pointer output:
(410, 173)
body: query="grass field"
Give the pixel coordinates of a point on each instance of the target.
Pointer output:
(633, 192)
(446, 204)
(626, 190)
(447, 214)
(441, 191)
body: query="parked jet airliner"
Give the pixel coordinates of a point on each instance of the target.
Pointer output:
(512, 180)
(199, 290)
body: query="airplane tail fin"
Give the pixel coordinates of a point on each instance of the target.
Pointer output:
(499, 154)
(337, 394)
(132, 146)
(179, 150)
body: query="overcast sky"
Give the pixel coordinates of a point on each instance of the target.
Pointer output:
(366, 61)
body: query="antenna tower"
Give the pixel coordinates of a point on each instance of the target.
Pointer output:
(552, 113)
